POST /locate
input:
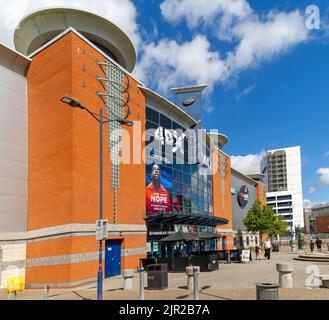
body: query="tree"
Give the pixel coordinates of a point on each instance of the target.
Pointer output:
(262, 219)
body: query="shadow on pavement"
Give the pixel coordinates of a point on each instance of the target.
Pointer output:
(205, 287)
(111, 290)
(183, 297)
(80, 296)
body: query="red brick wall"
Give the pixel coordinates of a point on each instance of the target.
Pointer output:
(261, 193)
(64, 159)
(50, 137)
(322, 224)
(218, 209)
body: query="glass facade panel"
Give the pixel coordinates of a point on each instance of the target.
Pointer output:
(173, 187)
(284, 204)
(288, 197)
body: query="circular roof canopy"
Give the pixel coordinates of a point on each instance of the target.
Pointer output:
(219, 139)
(41, 26)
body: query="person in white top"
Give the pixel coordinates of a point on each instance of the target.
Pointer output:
(267, 247)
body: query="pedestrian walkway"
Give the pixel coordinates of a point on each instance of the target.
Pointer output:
(233, 281)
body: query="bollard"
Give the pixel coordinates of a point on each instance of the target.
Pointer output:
(128, 279)
(228, 256)
(12, 295)
(141, 283)
(196, 282)
(285, 274)
(46, 293)
(189, 274)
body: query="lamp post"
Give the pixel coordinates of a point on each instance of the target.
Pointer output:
(299, 238)
(101, 120)
(291, 230)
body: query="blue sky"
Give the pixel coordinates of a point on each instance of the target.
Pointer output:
(281, 102)
(268, 74)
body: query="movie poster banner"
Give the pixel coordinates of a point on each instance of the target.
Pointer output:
(158, 189)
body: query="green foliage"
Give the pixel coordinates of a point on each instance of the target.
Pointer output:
(262, 219)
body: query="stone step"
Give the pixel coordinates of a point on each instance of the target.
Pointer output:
(313, 257)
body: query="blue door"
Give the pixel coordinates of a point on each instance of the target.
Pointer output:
(112, 258)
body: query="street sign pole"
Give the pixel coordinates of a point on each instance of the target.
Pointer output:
(100, 269)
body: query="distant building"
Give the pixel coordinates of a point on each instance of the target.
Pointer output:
(317, 219)
(284, 184)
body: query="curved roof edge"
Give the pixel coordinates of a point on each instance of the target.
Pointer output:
(40, 26)
(171, 106)
(219, 139)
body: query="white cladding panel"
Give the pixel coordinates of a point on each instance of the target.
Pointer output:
(13, 151)
(10, 80)
(11, 98)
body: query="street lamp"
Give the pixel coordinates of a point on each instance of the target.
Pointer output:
(291, 230)
(101, 120)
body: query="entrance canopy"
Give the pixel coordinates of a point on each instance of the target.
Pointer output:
(187, 219)
(208, 236)
(179, 236)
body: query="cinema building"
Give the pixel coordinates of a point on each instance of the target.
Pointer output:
(49, 157)
(246, 189)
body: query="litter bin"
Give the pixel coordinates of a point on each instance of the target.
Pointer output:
(157, 276)
(275, 247)
(267, 291)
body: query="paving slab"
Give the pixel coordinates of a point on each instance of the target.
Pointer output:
(233, 281)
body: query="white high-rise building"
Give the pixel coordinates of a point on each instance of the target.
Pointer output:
(284, 184)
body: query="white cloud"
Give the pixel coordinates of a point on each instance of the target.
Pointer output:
(245, 92)
(248, 164)
(169, 63)
(121, 12)
(256, 39)
(326, 155)
(311, 190)
(324, 176)
(309, 204)
(262, 40)
(196, 13)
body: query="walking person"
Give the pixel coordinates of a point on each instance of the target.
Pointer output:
(257, 251)
(267, 247)
(312, 246)
(319, 244)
